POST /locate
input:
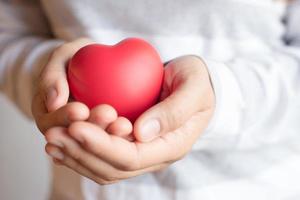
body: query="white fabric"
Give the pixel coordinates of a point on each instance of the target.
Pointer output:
(251, 148)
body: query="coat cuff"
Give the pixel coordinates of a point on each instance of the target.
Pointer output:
(227, 117)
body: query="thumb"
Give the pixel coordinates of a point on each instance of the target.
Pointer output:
(169, 114)
(191, 92)
(54, 82)
(57, 94)
(54, 79)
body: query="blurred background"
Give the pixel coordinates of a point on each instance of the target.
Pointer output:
(24, 169)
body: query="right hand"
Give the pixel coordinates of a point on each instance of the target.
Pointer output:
(50, 105)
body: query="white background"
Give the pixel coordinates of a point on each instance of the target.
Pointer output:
(24, 169)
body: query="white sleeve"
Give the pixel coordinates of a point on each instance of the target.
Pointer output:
(257, 90)
(25, 45)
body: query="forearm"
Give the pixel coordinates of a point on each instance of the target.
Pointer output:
(257, 89)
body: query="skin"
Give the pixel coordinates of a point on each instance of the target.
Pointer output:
(106, 148)
(52, 105)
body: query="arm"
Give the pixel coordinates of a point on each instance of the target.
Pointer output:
(32, 66)
(257, 90)
(250, 91)
(25, 46)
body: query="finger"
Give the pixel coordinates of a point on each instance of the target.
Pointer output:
(103, 115)
(77, 167)
(174, 145)
(106, 176)
(87, 164)
(131, 156)
(117, 151)
(121, 127)
(74, 111)
(58, 136)
(89, 136)
(77, 158)
(55, 152)
(53, 77)
(185, 99)
(72, 164)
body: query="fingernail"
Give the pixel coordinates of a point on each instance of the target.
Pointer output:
(51, 96)
(150, 130)
(57, 154)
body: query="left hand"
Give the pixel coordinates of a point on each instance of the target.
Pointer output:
(168, 130)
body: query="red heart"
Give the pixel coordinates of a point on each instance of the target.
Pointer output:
(127, 76)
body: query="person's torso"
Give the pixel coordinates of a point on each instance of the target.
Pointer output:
(219, 29)
(174, 27)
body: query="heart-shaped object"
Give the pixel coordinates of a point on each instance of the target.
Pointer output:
(127, 76)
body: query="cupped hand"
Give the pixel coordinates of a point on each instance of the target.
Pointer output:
(187, 90)
(164, 133)
(50, 105)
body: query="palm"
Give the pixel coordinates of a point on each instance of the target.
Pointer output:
(184, 111)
